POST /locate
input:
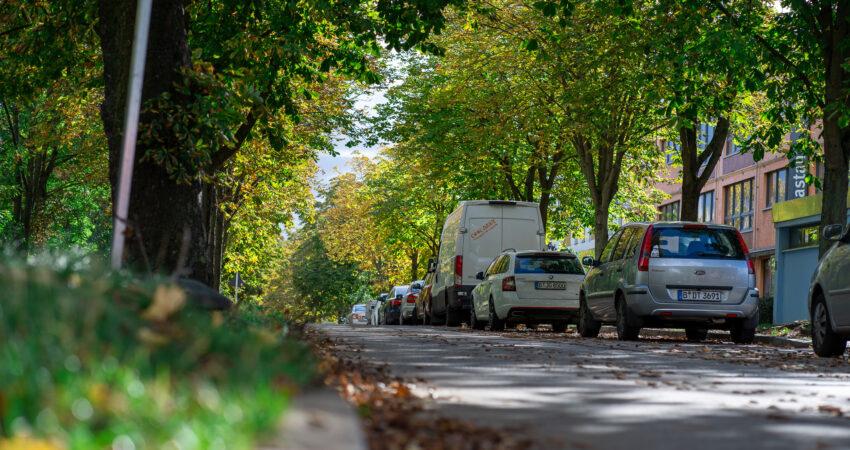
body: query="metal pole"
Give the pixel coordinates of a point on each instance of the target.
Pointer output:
(131, 129)
(237, 287)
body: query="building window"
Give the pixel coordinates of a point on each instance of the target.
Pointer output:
(706, 134)
(731, 147)
(804, 237)
(768, 275)
(670, 150)
(777, 183)
(739, 205)
(705, 212)
(669, 212)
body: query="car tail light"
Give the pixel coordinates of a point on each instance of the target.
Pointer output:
(509, 284)
(411, 298)
(694, 225)
(645, 250)
(396, 302)
(459, 271)
(750, 266)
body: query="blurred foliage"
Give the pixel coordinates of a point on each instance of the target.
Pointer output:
(94, 359)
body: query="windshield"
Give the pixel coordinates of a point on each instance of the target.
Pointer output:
(548, 264)
(696, 243)
(359, 308)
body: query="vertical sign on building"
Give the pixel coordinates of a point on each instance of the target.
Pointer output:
(796, 180)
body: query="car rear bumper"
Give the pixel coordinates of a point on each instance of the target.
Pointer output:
(542, 314)
(407, 310)
(643, 305)
(542, 306)
(458, 298)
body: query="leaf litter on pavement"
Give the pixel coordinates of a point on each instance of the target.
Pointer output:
(393, 416)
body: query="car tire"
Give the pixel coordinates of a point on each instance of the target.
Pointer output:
(694, 334)
(560, 327)
(474, 323)
(825, 341)
(587, 326)
(744, 331)
(496, 324)
(625, 332)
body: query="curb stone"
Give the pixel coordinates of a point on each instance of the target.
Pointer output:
(775, 341)
(319, 419)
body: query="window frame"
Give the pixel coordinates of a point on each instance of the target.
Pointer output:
(701, 209)
(664, 211)
(735, 201)
(609, 247)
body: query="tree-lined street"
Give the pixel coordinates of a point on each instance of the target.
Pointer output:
(567, 392)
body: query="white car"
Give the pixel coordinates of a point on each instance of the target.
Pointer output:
(473, 234)
(530, 287)
(408, 304)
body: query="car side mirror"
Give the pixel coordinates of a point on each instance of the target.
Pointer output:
(832, 232)
(479, 276)
(588, 261)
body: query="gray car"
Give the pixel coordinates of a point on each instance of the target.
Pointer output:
(829, 295)
(671, 275)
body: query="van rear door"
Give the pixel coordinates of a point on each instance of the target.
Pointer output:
(520, 227)
(483, 240)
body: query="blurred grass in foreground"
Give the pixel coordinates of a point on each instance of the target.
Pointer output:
(94, 359)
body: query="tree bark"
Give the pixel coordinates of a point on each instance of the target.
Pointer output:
(160, 208)
(694, 174)
(836, 140)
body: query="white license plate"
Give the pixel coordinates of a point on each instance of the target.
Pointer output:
(705, 296)
(561, 285)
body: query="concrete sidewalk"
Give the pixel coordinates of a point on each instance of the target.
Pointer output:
(319, 419)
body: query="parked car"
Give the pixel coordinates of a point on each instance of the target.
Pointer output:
(423, 300)
(390, 311)
(671, 275)
(829, 295)
(357, 316)
(408, 305)
(374, 316)
(472, 236)
(530, 287)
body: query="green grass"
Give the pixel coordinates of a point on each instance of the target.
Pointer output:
(81, 367)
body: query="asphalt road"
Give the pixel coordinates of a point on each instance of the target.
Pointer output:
(568, 392)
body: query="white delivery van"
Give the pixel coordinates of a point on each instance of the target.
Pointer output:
(475, 233)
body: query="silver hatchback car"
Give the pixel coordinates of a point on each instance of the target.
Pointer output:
(671, 275)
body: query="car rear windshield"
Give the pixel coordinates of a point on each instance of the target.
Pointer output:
(359, 308)
(548, 264)
(696, 243)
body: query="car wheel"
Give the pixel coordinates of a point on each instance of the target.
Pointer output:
(559, 327)
(625, 332)
(587, 325)
(496, 324)
(825, 342)
(474, 323)
(744, 331)
(696, 334)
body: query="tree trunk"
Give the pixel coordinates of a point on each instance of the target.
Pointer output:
(600, 228)
(836, 144)
(836, 140)
(694, 174)
(160, 208)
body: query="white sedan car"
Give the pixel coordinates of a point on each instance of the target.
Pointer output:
(530, 287)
